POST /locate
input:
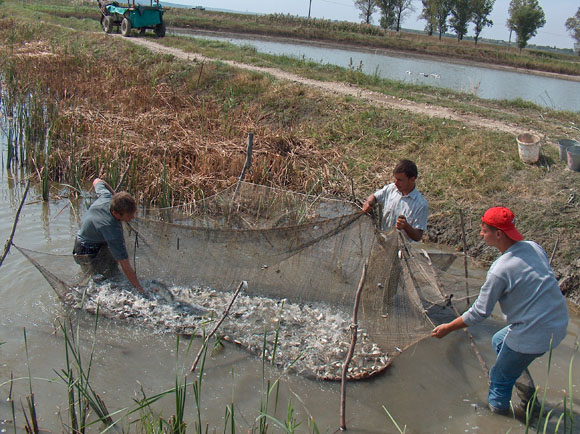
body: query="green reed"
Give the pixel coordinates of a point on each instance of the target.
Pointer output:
(197, 384)
(177, 421)
(565, 418)
(392, 419)
(229, 416)
(76, 376)
(11, 401)
(29, 119)
(76, 175)
(32, 423)
(165, 200)
(10, 150)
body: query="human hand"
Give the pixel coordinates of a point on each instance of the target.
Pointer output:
(440, 331)
(401, 223)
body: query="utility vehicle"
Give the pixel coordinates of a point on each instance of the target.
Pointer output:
(131, 15)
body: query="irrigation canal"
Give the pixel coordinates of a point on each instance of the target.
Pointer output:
(436, 386)
(488, 83)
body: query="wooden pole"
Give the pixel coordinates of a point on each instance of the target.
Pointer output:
(464, 254)
(247, 164)
(353, 330)
(9, 241)
(555, 248)
(243, 285)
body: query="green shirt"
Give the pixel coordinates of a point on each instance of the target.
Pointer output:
(100, 227)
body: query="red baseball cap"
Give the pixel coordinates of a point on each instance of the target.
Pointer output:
(503, 219)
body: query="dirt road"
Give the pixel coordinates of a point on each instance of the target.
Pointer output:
(337, 88)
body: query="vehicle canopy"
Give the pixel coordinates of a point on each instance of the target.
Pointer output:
(132, 15)
(140, 15)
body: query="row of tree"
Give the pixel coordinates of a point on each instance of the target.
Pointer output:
(573, 26)
(525, 17)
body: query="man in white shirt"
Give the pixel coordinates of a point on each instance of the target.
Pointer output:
(401, 203)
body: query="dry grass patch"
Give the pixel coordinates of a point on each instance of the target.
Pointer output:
(176, 131)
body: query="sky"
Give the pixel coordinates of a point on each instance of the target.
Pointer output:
(554, 33)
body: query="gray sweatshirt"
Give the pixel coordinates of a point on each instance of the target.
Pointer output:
(523, 282)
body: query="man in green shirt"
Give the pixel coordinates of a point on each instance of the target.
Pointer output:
(100, 243)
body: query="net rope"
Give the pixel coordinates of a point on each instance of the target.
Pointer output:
(302, 256)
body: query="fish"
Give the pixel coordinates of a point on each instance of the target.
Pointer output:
(157, 290)
(269, 327)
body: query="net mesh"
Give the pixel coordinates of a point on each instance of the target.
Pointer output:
(302, 257)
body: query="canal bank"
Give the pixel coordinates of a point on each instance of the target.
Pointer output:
(371, 50)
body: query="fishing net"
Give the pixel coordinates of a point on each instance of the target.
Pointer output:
(302, 257)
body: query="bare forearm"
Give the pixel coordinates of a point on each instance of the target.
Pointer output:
(97, 180)
(414, 233)
(131, 275)
(369, 203)
(444, 329)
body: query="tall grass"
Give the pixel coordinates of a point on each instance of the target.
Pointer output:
(29, 119)
(76, 375)
(566, 416)
(32, 420)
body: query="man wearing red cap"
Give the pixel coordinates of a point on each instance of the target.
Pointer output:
(523, 283)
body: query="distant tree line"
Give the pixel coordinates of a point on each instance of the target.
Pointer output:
(573, 26)
(525, 17)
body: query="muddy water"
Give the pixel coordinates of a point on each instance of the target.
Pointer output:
(436, 386)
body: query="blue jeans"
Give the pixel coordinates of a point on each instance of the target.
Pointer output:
(507, 369)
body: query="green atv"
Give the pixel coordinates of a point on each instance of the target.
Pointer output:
(132, 16)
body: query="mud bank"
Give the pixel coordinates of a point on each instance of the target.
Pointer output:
(447, 231)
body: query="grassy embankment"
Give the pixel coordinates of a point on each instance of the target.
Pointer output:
(84, 16)
(179, 130)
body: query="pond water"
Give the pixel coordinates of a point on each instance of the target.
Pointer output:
(488, 83)
(436, 386)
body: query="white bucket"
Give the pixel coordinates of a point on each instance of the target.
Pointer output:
(529, 147)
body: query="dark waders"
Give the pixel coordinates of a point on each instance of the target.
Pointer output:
(95, 259)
